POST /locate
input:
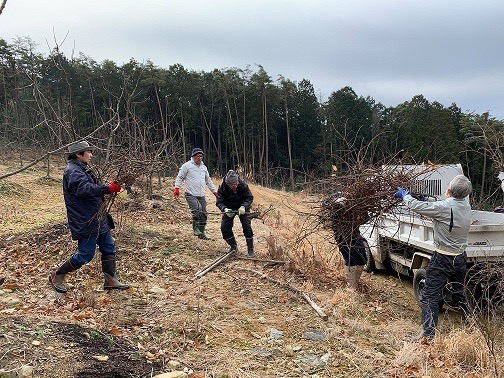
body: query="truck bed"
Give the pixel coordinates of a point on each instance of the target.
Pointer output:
(485, 240)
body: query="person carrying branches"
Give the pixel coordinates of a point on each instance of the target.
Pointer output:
(235, 198)
(89, 224)
(351, 244)
(195, 175)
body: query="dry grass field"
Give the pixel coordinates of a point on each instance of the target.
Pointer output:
(233, 322)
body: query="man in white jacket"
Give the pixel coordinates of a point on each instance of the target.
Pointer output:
(195, 176)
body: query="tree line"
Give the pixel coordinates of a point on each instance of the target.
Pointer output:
(275, 131)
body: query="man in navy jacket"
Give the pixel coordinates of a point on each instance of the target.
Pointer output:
(87, 218)
(235, 198)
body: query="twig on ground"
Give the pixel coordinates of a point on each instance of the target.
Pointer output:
(305, 296)
(269, 262)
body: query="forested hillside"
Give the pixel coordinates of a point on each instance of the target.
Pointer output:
(277, 131)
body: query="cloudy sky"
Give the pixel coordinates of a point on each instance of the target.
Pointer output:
(447, 50)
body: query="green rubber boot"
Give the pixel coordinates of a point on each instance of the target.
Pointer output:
(202, 232)
(196, 228)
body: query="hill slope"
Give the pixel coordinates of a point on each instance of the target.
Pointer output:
(234, 322)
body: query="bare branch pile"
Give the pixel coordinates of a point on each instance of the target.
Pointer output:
(362, 196)
(485, 288)
(128, 171)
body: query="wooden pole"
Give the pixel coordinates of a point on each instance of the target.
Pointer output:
(213, 264)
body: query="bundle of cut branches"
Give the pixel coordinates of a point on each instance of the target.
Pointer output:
(128, 171)
(363, 195)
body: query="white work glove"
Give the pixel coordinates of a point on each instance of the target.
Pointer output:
(229, 212)
(241, 210)
(501, 176)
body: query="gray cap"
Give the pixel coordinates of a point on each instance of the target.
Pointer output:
(79, 147)
(231, 177)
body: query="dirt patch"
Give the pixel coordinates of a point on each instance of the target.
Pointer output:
(68, 350)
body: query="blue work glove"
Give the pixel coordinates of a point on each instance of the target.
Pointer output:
(400, 193)
(229, 212)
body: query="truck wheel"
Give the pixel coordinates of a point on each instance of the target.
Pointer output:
(370, 263)
(418, 286)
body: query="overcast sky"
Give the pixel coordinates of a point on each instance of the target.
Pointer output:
(447, 50)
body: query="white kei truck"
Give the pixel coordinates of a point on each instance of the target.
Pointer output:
(403, 240)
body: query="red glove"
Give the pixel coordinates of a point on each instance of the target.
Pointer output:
(114, 187)
(215, 194)
(176, 191)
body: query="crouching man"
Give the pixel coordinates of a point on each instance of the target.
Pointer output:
(235, 198)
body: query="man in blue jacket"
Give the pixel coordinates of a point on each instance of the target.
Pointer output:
(87, 218)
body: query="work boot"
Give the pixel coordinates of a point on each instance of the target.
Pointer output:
(57, 277)
(250, 247)
(196, 228)
(202, 232)
(358, 272)
(109, 271)
(352, 274)
(232, 244)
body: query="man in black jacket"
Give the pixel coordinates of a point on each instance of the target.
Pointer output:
(235, 198)
(87, 218)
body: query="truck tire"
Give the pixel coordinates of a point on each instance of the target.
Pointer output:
(370, 263)
(418, 285)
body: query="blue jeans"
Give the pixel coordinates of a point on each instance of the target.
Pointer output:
(86, 248)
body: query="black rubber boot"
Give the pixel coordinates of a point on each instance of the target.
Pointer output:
(202, 232)
(232, 244)
(196, 228)
(250, 247)
(57, 277)
(109, 271)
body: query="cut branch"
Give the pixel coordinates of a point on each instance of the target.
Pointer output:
(305, 296)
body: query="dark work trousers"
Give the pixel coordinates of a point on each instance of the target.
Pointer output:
(227, 228)
(441, 269)
(197, 205)
(353, 250)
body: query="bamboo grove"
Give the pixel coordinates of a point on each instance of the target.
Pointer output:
(277, 132)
